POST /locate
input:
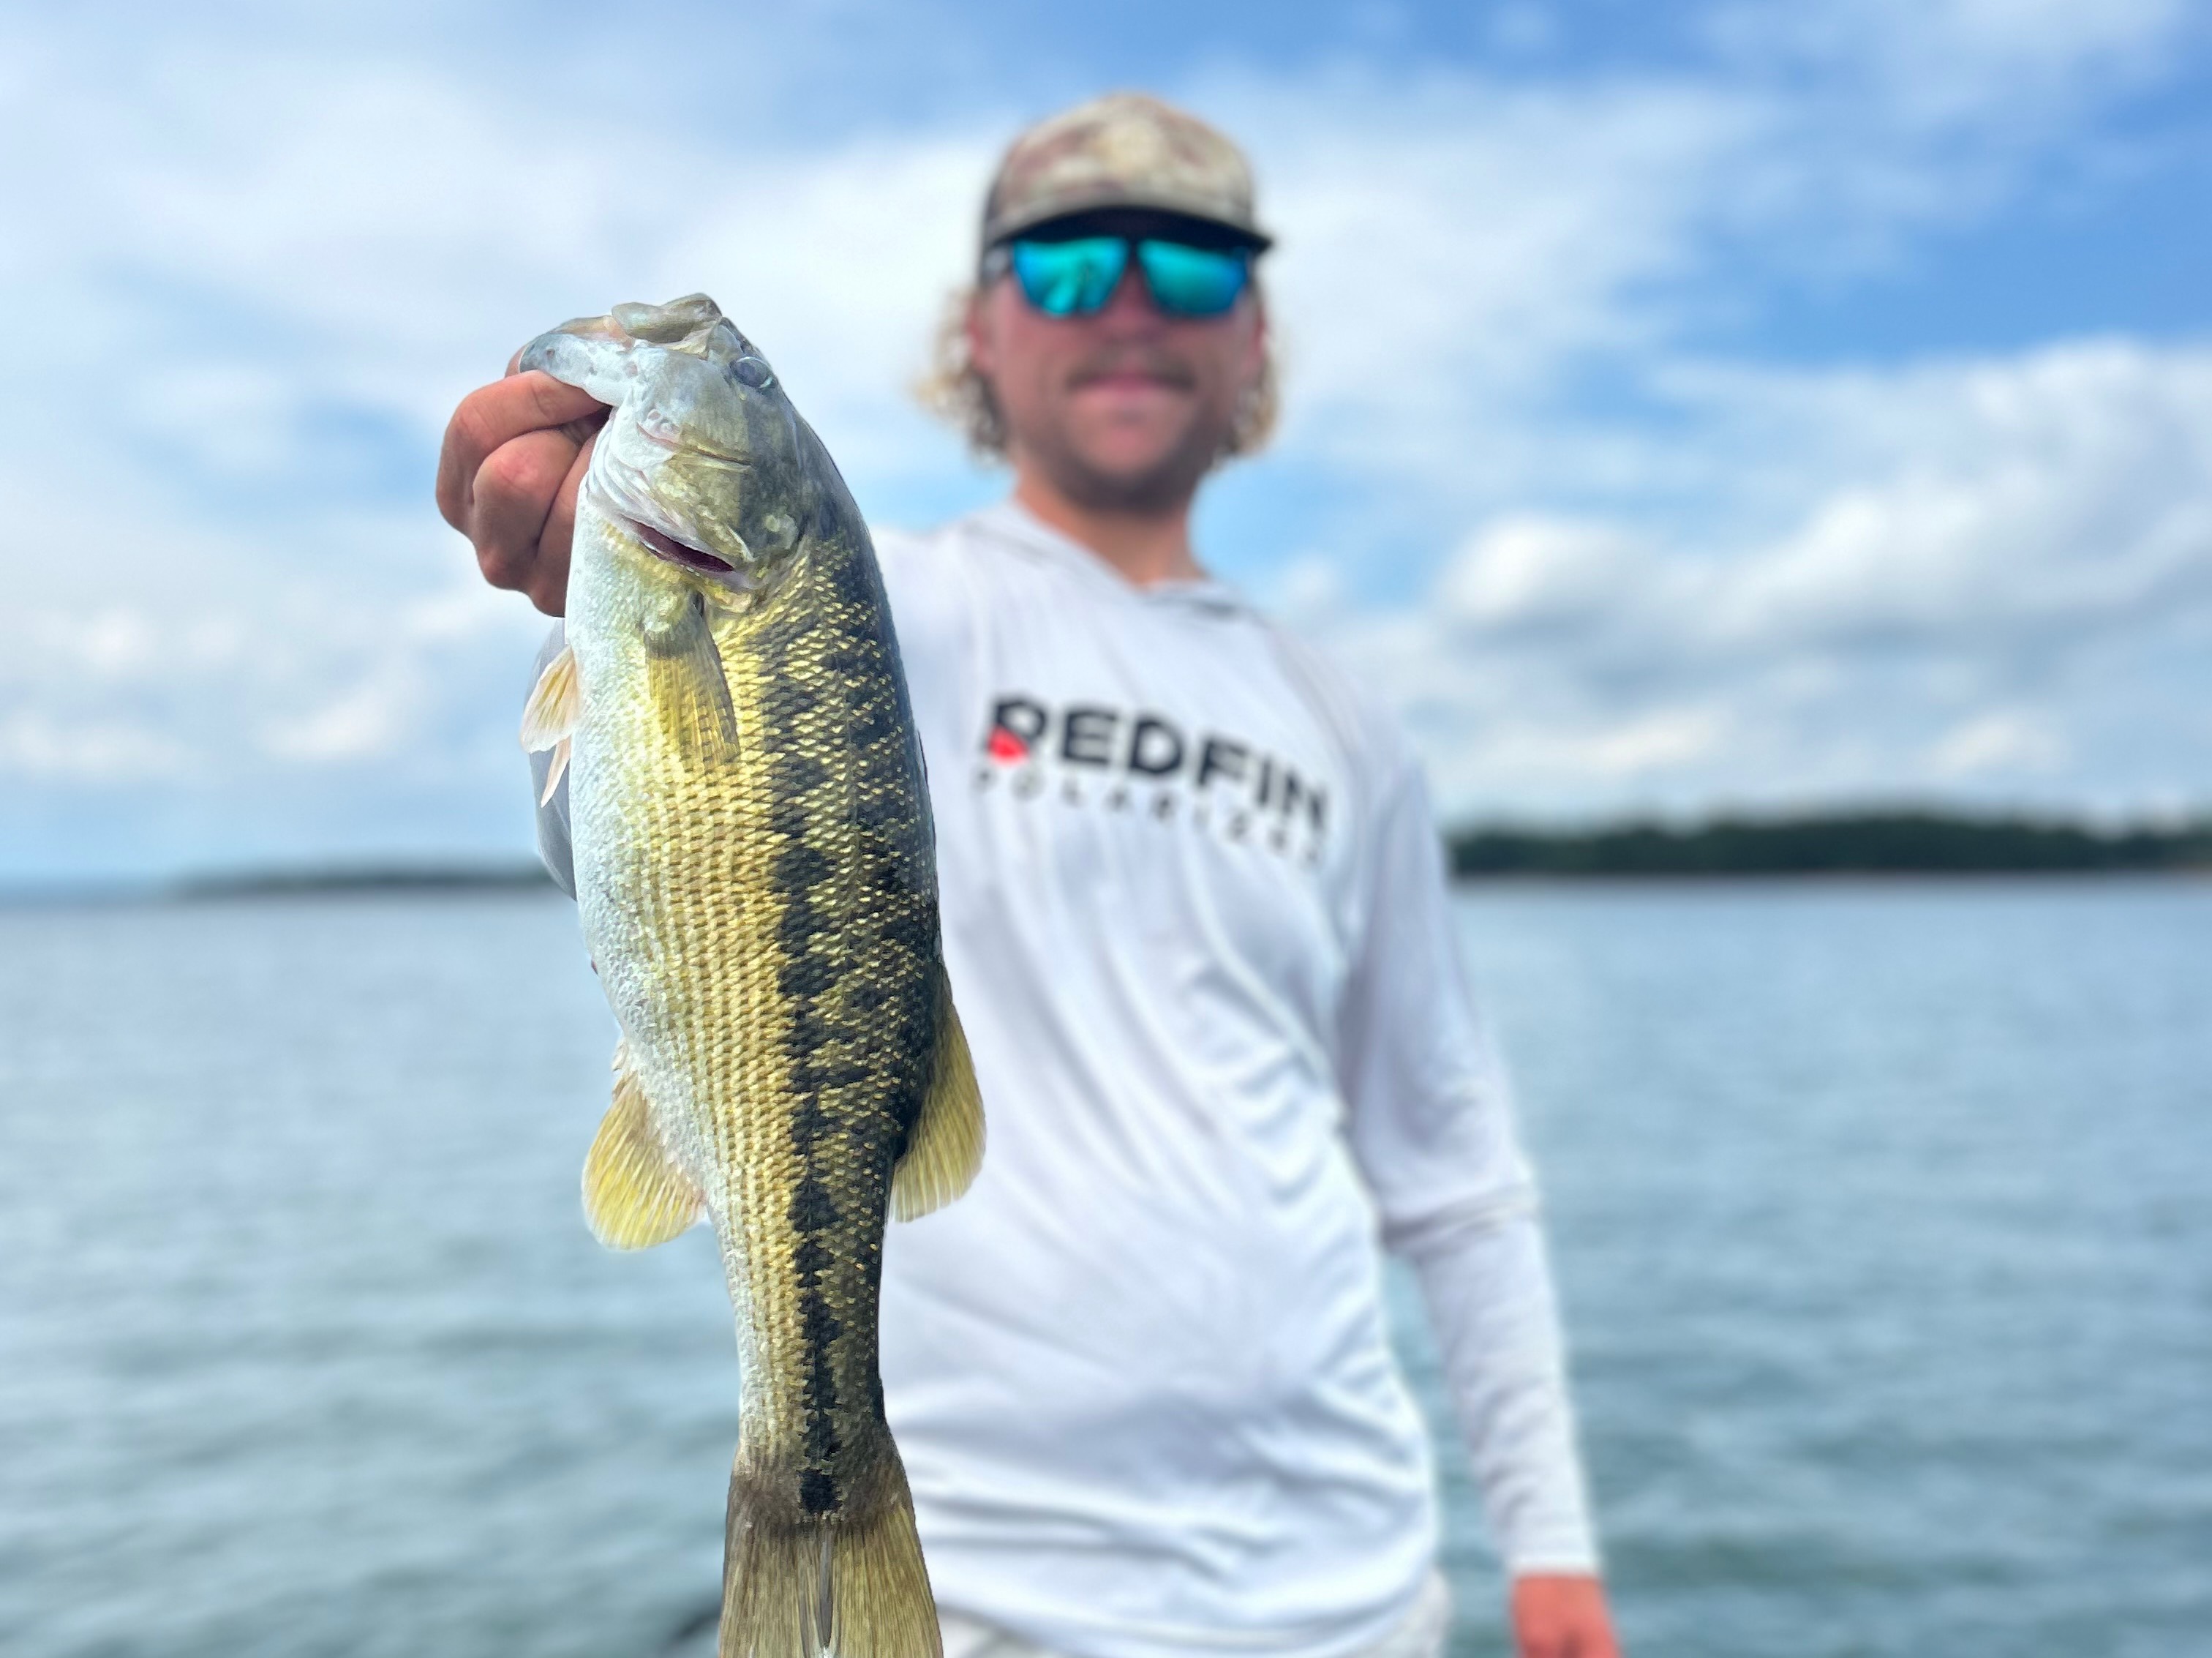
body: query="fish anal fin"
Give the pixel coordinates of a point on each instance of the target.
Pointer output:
(688, 687)
(946, 1147)
(634, 1197)
(556, 704)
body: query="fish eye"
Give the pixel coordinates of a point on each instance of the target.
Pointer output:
(752, 371)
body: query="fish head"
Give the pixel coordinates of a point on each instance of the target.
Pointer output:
(703, 458)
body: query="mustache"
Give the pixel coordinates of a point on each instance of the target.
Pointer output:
(1153, 364)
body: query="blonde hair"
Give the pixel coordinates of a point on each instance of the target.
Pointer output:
(955, 391)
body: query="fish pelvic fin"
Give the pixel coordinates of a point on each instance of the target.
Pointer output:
(946, 1147)
(689, 690)
(550, 717)
(634, 1196)
(847, 1584)
(556, 703)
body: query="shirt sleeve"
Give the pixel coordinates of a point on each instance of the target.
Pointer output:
(1431, 1126)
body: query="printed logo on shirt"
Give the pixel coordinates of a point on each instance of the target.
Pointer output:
(1129, 760)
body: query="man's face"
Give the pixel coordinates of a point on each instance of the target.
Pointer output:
(1125, 410)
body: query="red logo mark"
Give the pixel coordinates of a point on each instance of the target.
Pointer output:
(1006, 747)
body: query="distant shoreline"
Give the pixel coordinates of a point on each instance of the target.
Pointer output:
(366, 882)
(371, 879)
(1807, 847)
(1905, 842)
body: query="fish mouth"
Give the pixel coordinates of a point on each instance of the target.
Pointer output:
(622, 490)
(668, 437)
(661, 545)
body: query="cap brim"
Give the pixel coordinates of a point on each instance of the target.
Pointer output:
(1072, 206)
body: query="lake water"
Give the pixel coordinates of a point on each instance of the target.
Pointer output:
(1883, 1216)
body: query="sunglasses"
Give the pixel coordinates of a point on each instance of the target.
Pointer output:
(1076, 278)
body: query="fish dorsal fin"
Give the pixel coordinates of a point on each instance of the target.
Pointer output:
(634, 1197)
(946, 1148)
(691, 692)
(550, 717)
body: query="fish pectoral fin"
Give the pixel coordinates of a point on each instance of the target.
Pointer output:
(689, 690)
(634, 1196)
(946, 1146)
(556, 703)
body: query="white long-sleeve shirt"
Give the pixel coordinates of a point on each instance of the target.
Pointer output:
(1196, 926)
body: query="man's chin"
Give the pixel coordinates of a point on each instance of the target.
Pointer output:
(1162, 485)
(1134, 477)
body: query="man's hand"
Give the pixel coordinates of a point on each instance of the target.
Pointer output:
(1562, 1617)
(515, 452)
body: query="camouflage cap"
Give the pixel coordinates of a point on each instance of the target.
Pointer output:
(1125, 149)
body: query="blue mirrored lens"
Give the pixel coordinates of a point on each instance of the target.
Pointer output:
(1193, 282)
(1070, 278)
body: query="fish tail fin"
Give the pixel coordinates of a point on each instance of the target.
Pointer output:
(880, 1603)
(849, 1584)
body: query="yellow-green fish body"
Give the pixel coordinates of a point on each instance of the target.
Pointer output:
(756, 882)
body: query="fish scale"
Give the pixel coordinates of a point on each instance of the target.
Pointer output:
(755, 876)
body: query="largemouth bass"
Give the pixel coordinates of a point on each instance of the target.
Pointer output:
(756, 879)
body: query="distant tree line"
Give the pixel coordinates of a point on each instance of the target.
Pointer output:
(1839, 844)
(370, 880)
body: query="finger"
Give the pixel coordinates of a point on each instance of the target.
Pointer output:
(549, 585)
(513, 496)
(492, 417)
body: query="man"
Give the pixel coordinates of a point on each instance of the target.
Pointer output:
(1194, 907)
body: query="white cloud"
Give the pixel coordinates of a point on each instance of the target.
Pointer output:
(40, 747)
(2002, 741)
(369, 720)
(2007, 562)
(1945, 62)
(1527, 574)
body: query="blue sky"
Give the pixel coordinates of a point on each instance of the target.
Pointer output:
(1723, 405)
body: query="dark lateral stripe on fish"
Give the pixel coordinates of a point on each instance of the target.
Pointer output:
(849, 818)
(806, 975)
(799, 868)
(818, 1492)
(809, 979)
(809, 1123)
(800, 772)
